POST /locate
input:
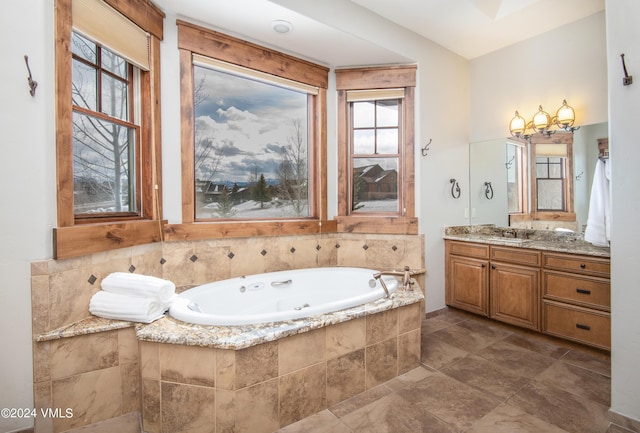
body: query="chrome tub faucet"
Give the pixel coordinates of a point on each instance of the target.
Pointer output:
(406, 274)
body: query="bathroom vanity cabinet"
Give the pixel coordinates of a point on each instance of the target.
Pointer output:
(497, 282)
(561, 294)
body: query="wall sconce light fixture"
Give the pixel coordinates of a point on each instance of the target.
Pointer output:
(542, 122)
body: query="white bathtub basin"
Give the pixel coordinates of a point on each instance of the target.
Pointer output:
(277, 296)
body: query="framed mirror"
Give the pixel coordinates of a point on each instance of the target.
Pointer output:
(548, 171)
(502, 161)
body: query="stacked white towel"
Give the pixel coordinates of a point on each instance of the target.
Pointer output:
(125, 283)
(131, 297)
(598, 231)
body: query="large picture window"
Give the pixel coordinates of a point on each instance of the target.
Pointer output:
(251, 149)
(253, 135)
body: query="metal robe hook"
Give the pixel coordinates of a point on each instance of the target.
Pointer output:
(488, 192)
(455, 188)
(627, 79)
(32, 84)
(509, 163)
(425, 149)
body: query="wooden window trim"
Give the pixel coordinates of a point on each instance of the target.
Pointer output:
(568, 214)
(522, 166)
(377, 78)
(193, 39)
(533, 215)
(75, 237)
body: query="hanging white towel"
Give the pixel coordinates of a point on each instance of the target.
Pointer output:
(123, 307)
(124, 283)
(598, 231)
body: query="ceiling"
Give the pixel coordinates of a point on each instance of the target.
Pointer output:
(321, 32)
(472, 28)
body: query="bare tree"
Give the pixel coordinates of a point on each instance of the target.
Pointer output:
(199, 94)
(104, 146)
(293, 170)
(207, 154)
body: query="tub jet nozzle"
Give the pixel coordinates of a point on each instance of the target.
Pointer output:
(194, 307)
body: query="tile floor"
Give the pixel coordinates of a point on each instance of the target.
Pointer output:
(480, 376)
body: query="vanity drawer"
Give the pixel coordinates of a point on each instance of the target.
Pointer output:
(587, 291)
(468, 249)
(578, 324)
(521, 256)
(579, 264)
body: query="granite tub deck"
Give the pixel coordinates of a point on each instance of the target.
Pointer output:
(260, 378)
(545, 240)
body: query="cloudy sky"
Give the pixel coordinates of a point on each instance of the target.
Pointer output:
(247, 122)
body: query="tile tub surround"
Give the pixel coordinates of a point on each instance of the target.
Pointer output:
(95, 375)
(192, 388)
(61, 290)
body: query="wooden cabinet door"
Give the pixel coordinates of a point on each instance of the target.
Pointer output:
(468, 284)
(515, 295)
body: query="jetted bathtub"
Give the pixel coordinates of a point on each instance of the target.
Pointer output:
(282, 295)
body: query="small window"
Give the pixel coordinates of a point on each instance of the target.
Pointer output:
(550, 179)
(375, 160)
(375, 147)
(105, 138)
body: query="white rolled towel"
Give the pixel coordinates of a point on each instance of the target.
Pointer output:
(124, 283)
(123, 307)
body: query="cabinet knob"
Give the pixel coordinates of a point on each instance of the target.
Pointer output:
(582, 265)
(493, 266)
(483, 265)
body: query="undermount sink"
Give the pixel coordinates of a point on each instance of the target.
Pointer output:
(501, 239)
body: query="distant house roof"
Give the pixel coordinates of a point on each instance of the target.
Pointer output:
(372, 173)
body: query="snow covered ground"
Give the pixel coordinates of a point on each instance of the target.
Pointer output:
(281, 209)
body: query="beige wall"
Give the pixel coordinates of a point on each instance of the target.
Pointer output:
(27, 188)
(623, 34)
(566, 63)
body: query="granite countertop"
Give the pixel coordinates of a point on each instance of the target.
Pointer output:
(170, 330)
(89, 325)
(546, 240)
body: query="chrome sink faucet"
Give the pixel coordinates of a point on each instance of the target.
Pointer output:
(509, 233)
